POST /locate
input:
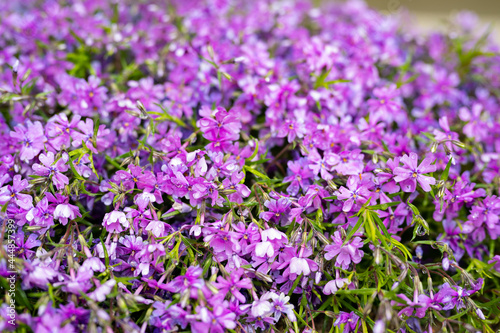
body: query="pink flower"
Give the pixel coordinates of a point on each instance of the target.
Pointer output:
(53, 169)
(115, 221)
(410, 174)
(31, 138)
(345, 253)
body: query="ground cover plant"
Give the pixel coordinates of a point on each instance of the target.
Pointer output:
(246, 166)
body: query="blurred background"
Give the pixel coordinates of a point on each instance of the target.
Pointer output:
(433, 14)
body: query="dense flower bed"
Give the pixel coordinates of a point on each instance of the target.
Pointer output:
(246, 165)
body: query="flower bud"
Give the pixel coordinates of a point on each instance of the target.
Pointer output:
(446, 261)
(419, 252)
(434, 146)
(322, 238)
(379, 327)
(210, 286)
(15, 68)
(332, 185)
(480, 314)
(211, 52)
(377, 254)
(295, 235)
(263, 276)
(330, 314)
(26, 75)
(458, 143)
(144, 114)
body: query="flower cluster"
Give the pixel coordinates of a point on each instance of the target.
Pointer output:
(246, 166)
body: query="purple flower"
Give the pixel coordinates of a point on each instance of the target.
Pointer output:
(42, 215)
(410, 173)
(77, 284)
(86, 134)
(447, 135)
(233, 183)
(216, 321)
(304, 266)
(130, 179)
(53, 169)
(12, 193)
(322, 165)
(345, 253)
(24, 247)
(419, 305)
(484, 217)
(298, 176)
(350, 163)
(291, 129)
(115, 222)
(357, 193)
(333, 285)
(59, 130)
(232, 285)
(475, 127)
(100, 293)
(385, 104)
(278, 210)
(281, 305)
(31, 138)
(350, 319)
(496, 261)
(63, 210)
(455, 296)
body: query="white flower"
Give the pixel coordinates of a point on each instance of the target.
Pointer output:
(299, 265)
(272, 234)
(264, 248)
(156, 227)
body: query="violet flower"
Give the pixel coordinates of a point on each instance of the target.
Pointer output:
(345, 253)
(410, 173)
(53, 169)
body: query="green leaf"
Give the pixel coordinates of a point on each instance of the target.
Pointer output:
(446, 172)
(295, 284)
(96, 130)
(80, 40)
(106, 256)
(354, 229)
(256, 150)
(255, 172)
(168, 116)
(383, 206)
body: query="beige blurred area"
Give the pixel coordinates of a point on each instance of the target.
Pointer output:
(433, 14)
